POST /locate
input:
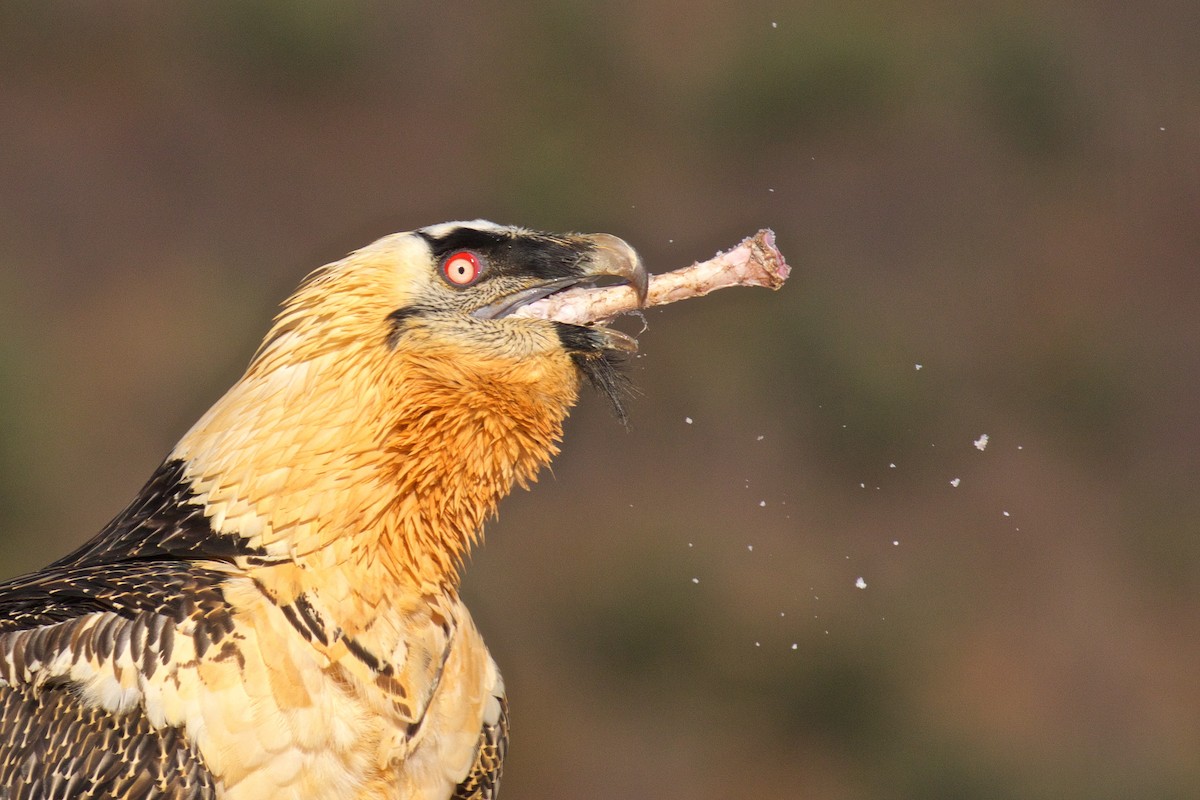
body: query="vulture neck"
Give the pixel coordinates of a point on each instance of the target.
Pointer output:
(375, 467)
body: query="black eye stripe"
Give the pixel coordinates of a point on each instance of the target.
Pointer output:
(524, 254)
(481, 241)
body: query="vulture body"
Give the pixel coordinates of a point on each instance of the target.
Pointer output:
(276, 614)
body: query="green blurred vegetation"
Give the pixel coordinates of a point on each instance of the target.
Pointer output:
(1004, 195)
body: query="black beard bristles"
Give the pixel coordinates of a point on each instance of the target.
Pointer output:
(604, 367)
(605, 370)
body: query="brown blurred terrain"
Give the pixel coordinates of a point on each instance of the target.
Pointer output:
(1007, 196)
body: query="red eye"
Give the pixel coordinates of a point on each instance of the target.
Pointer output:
(462, 268)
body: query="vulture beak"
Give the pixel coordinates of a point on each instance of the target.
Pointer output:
(613, 256)
(604, 256)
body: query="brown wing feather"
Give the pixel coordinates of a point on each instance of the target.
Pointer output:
(53, 743)
(53, 747)
(483, 782)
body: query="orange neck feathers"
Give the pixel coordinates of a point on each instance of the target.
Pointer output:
(381, 460)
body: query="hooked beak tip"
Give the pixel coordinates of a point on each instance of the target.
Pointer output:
(614, 256)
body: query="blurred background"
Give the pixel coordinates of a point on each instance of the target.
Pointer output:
(991, 211)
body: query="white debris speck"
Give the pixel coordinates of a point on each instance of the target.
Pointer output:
(690, 544)
(782, 613)
(688, 420)
(955, 482)
(795, 645)
(750, 547)
(895, 542)
(758, 644)
(1005, 513)
(918, 366)
(862, 486)
(760, 438)
(981, 442)
(892, 465)
(776, 25)
(695, 580)
(861, 583)
(770, 190)
(762, 503)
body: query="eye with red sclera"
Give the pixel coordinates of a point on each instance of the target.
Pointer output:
(462, 268)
